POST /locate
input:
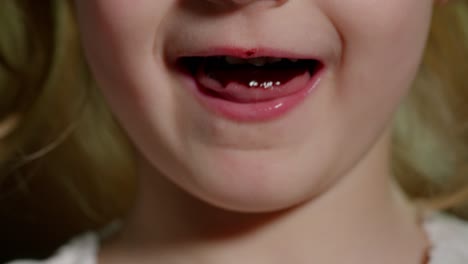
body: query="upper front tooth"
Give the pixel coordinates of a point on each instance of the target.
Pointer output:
(274, 60)
(234, 60)
(258, 61)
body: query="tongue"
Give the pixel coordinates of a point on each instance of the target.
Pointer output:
(248, 83)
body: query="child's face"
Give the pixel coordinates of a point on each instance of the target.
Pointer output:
(245, 155)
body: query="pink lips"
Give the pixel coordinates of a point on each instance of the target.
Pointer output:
(252, 101)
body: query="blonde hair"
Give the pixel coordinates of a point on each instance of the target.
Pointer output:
(56, 132)
(430, 150)
(63, 160)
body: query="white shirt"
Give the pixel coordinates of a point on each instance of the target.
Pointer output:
(448, 236)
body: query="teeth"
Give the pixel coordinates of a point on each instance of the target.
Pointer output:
(234, 60)
(274, 60)
(258, 61)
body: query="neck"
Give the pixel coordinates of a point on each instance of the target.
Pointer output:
(344, 224)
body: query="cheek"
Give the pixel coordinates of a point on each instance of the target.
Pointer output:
(389, 36)
(102, 18)
(383, 43)
(120, 38)
(121, 43)
(120, 15)
(373, 19)
(117, 33)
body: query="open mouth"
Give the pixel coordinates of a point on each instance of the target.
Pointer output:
(250, 80)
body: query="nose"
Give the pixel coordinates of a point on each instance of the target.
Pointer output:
(247, 2)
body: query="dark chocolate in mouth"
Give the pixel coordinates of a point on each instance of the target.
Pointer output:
(215, 74)
(257, 68)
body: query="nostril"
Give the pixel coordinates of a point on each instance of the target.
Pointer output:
(242, 2)
(245, 2)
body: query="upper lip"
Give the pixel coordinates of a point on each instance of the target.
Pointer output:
(297, 38)
(243, 52)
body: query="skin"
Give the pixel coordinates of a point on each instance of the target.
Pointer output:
(299, 188)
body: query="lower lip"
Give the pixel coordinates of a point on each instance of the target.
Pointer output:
(257, 111)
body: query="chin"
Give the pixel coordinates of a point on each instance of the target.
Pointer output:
(252, 182)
